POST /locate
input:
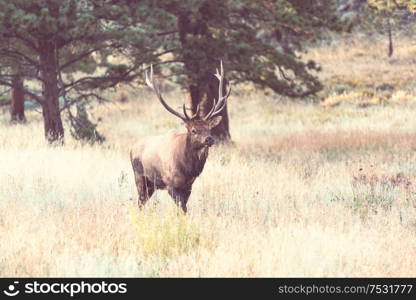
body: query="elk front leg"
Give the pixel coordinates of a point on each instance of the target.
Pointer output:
(180, 197)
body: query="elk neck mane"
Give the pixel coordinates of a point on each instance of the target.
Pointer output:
(192, 160)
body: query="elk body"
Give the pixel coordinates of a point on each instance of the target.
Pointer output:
(173, 161)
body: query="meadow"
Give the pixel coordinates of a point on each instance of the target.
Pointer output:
(308, 188)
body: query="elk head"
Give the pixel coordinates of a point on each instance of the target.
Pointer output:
(199, 129)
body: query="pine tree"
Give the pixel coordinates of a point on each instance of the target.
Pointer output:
(74, 49)
(247, 37)
(387, 12)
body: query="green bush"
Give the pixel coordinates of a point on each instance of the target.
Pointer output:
(81, 127)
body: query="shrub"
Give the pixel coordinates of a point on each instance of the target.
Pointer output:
(81, 127)
(373, 192)
(166, 236)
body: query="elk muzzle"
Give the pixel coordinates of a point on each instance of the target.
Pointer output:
(209, 141)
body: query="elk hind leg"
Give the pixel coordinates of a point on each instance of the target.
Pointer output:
(145, 187)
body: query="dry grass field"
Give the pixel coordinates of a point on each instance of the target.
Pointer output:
(306, 189)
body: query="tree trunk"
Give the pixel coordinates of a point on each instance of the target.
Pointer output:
(17, 107)
(199, 72)
(203, 93)
(390, 51)
(54, 132)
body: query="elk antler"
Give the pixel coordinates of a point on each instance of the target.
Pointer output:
(151, 83)
(194, 116)
(222, 100)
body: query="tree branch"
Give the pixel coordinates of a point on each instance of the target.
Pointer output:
(167, 32)
(13, 53)
(26, 91)
(79, 57)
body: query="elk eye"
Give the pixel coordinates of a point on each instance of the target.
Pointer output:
(193, 131)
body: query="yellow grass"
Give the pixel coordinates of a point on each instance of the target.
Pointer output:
(287, 199)
(358, 71)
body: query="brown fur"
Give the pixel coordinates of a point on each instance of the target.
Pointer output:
(172, 161)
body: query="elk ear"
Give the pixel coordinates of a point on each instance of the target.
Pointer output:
(214, 122)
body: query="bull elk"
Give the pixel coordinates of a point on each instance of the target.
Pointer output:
(173, 161)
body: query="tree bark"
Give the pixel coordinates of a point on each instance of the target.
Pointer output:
(17, 108)
(54, 132)
(199, 72)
